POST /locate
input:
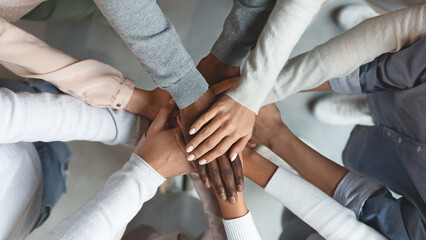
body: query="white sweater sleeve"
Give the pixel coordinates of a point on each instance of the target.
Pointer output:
(285, 25)
(321, 212)
(114, 206)
(31, 117)
(343, 54)
(242, 228)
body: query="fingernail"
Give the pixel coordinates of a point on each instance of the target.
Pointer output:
(191, 157)
(189, 149)
(207, 184)
(192, 131)
(234, 157)
(202, 161)
(233, 200)
(222, 196)
(240, 188)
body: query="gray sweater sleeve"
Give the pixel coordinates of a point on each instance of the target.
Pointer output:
(241, 30)
(154, 41)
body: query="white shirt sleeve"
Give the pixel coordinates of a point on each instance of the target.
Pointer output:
(320, 211)
(345, 53)
(114, 206)
(31, 117)
(242, 228)
(286, 23)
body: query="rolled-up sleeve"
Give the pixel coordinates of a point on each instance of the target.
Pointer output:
(354, 189)
(374, 205)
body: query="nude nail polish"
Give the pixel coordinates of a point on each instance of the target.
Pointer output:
(202, 161)
(233, 200)
(234, 157)
(192, 131)
(189, 149)
(191, 157)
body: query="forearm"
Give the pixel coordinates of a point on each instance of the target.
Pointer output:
(285, 25)
(89, 80)
(312, 166)
(232, 211)
(153, 40)
(385, 33)
(114, 206)
(57, 117)
(328, 217)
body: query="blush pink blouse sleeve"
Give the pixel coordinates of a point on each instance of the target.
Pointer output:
(93, 82)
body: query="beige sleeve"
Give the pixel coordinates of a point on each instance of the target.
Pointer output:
(93, 82)
(345, 53)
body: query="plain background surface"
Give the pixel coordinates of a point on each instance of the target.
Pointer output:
(198, 23)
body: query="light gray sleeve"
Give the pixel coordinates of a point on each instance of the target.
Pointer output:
(153, 40)
(241, 30)
(349, 84)
(354, 189)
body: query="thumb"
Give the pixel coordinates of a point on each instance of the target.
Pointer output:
(160, 121)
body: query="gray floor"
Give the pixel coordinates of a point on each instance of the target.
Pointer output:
(198, 23)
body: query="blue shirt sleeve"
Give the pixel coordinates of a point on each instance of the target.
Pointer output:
(401, 70)
(395, 218)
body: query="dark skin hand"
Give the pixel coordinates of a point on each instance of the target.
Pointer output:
(225, 176)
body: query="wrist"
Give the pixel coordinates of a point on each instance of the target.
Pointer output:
(139, 102)
(281, 136)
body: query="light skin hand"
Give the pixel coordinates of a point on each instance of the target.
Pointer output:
(162, 148)
(267, 122)
(148, 103)
(230, 126)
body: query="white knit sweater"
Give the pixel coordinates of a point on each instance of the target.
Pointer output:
(343, 54)
(282, 31)
(321, 212)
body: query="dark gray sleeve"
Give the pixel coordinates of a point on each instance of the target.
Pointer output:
(154, 41)
(401, 70)
(241, 30)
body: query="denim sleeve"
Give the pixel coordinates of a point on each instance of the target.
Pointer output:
(401, 70)
(347, 85)
(395, 218)
(241, 30)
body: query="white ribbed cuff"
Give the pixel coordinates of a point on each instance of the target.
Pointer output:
(146, 170)
(242, 228)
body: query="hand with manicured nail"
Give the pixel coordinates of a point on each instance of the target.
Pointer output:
(227, 125)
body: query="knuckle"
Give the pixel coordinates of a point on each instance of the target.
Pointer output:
(210, 144)
(214, 172)
(227, 173)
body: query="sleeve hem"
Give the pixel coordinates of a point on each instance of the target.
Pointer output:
(354, 190)
(188, 89)
(124, 94)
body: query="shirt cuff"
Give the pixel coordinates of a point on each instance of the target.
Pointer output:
(124, 94)
(229, 51)
(149, 173)
(347, 85)
(188, 89)
(242, 228)
(354, 190)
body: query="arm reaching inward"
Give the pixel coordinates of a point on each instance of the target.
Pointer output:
(91, 81)
(126, 190)
(230, 120)
(342, 55)
(357, 192)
